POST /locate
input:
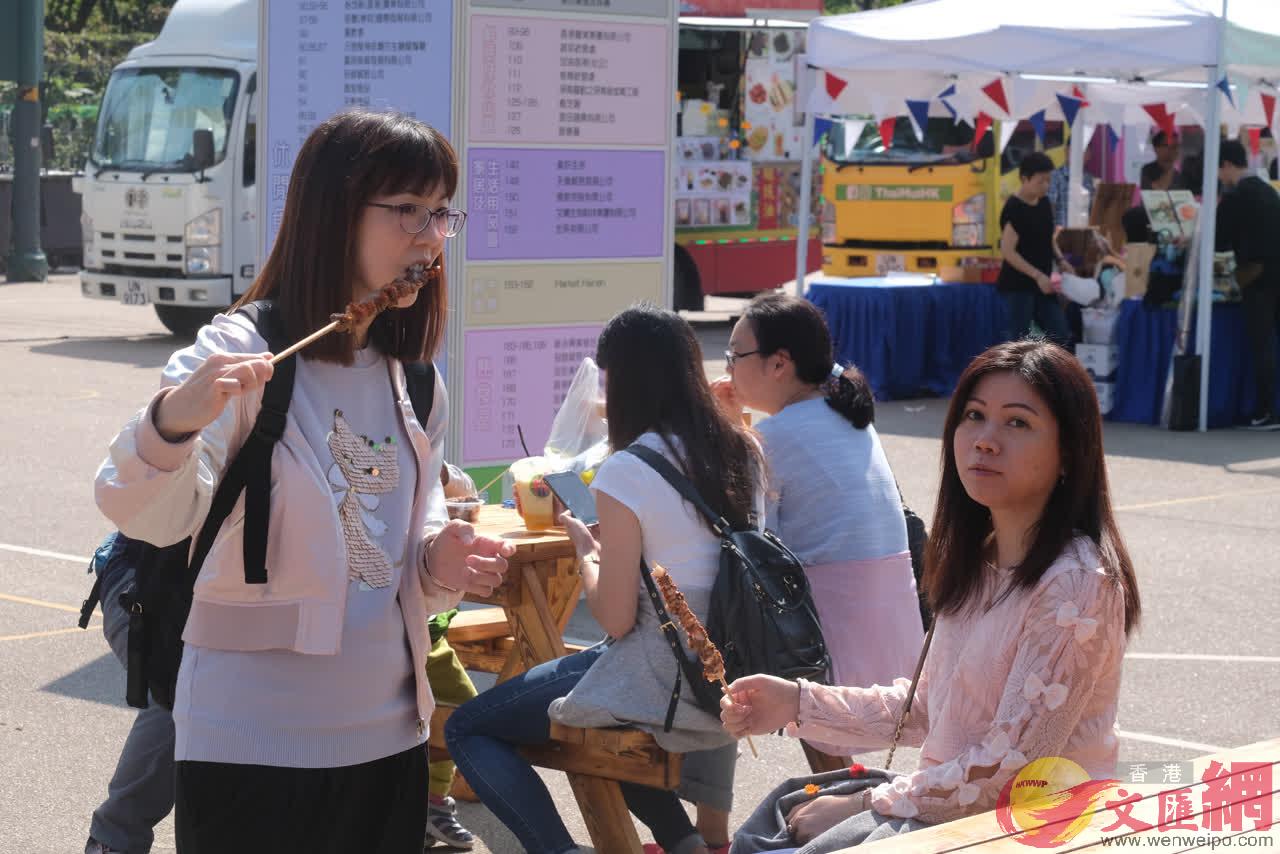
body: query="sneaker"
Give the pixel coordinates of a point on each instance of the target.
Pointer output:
(1264, 423)
(93, 846)
(443, 826)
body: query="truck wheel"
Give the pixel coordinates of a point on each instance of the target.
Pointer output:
(183, 320)
(688, 286)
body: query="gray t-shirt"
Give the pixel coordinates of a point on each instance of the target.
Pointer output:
(832, 496)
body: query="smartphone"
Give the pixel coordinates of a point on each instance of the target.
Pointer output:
(574, 495)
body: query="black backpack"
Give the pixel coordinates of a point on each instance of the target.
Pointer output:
(762, 617)
(164, 579)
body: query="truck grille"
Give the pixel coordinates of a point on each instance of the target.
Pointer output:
(138, 270)
(138, 254)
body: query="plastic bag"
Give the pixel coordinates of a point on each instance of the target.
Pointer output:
(579, 425)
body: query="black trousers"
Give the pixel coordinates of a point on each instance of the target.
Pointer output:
(378, 807)
(1261, 303)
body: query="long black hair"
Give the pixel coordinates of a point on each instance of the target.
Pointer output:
(784, 322)
(1079, 504)
(654, 381)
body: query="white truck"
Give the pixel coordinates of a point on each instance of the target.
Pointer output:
(169, 197)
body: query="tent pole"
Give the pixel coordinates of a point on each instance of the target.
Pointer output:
(1208, 223)
(806, 202)
(1077, 216)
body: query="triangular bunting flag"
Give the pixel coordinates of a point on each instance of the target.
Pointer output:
(886, 131)
(1113, 139)
(1268, 107)
(1225, 86)
(995, 91)
(982, 124)
(1163, 119)
(919, 112)
(1037, 122)
(1255, 140)
(820, 128)
(948, 92)
(1070, 107)
(852, 133)
(1006, 134)
(1078, 93)
(834, 85)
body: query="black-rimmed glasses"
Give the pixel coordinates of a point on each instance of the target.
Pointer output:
(730, 357)
(414, 219)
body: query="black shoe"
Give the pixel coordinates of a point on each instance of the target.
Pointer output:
(1266, 423)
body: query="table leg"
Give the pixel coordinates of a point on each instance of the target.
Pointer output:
(539, 618)
(605, 814)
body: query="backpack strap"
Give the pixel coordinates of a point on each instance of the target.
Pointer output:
(250, 471)
(420, 379)
(681, 484)
(687, 667)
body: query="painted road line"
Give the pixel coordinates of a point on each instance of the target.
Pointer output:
(1190, 656)
(1171, 742)
(1171, 502)
(24, 550)
(50, 633)
(39, 603)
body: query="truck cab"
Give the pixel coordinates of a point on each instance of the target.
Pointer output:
(169, 191)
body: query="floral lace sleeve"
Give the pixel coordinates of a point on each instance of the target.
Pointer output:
(1074, 631)
(842, 716)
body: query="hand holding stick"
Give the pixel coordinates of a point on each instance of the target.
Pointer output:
(413, 279)
(712, 661)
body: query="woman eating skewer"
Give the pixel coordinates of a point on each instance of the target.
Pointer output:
(302, 703)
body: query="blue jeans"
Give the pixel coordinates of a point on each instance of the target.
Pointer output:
(1044, 309)
(141, 791)
(483, 735)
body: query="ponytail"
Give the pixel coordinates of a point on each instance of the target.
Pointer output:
(849, 393)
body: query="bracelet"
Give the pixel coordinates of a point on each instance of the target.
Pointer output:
(438, 583)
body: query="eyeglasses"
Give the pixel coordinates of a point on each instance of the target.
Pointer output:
(414, 219)
(730, 357)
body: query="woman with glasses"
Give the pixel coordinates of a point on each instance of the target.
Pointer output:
(302, 703)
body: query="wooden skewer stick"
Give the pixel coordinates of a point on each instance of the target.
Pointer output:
(318, 334)
(485, 488)
(725, 686)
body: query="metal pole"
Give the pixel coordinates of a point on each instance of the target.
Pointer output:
(1208, 223)
(806, 202)
(1077, 216)
(26, 261)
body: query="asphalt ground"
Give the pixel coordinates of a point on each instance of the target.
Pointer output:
(1199, 512)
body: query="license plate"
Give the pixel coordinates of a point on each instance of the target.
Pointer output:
(134, 293)
(889, 263)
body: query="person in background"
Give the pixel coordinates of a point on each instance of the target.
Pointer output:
(1162, 173)
(1060, 193)
(1026, 245)
(1034, 597)
(1249, 225)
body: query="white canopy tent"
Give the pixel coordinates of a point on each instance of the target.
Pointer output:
(1114, 50)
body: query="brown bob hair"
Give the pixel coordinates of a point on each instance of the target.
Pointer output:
(347, 160)
(1079, 504)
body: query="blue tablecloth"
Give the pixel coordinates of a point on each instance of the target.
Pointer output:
(909, 340)
(1146, 337)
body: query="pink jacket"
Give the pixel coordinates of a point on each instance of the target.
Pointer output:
(160, 492)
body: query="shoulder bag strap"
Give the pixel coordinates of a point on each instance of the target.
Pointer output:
(420, 380)
(911, 695)
(681, 484)
(689, 670)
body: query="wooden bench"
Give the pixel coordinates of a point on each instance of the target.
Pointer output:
(596, 760)
(483, 640)
(983, 831)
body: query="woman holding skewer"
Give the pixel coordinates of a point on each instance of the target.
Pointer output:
(1034, 597)
(655, 394)
(302, 703)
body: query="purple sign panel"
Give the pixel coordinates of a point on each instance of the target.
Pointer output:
(546, 204)
(518, 377)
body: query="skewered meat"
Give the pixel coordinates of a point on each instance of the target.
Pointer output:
(413, 279)
(712, 662)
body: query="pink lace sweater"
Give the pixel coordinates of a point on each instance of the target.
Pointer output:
(1037, 675)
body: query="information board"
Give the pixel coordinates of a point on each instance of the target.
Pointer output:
(320, 57)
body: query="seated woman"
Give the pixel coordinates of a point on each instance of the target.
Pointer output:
(657, 395)
(1034, 595)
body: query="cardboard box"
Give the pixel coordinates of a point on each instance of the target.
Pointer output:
(1110, 201)
(1137, 268)
(1106, 396)
(1082, 248)
(1100, 325)
(1100, 360)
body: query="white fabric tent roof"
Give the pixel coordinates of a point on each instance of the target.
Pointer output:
(1162, 39)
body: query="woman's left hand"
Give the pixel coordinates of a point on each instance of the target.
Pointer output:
(814, 818)
(460, 558)
(583, 537)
